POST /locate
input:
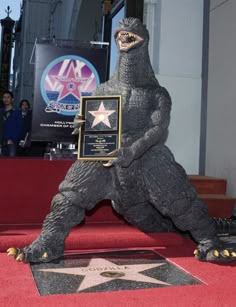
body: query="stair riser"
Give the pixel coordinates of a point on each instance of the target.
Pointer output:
(208, 186)
(220, 208)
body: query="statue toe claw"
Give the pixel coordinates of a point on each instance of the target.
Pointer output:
(216, 253)
(226, 253)
(233, 254)
(13, 251)
(45, 255)
(196, 252)
(20, 257)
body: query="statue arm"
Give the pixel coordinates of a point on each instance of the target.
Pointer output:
(160, 119)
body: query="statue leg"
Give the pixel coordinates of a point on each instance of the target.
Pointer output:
(84, 186)
(192, 215)
(170, 191)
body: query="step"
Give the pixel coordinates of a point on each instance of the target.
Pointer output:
(91, 236)
(219, 205)
(209, 185)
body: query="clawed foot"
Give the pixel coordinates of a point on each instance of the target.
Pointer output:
(21, 256)
(215, 252)
(36, 253)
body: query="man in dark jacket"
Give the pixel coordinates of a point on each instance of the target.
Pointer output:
(11, 126)
(26, 118)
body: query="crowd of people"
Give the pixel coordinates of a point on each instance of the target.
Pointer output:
(15, 127)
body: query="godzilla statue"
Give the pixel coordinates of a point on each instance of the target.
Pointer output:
(146, 186)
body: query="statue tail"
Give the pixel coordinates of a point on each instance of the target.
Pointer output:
(226, 226)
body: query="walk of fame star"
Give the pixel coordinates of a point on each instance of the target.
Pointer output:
(100, 271)
(70, 84)
(101, 116)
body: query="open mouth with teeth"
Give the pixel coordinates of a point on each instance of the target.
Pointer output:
(127, 40)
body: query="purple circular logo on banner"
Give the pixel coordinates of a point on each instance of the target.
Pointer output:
(64, 81)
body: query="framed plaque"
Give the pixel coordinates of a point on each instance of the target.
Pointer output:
(101, 132)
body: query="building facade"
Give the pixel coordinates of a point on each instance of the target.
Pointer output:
(48, 20)
(176, 35)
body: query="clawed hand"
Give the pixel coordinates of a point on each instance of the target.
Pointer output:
(124, 157)
(111, 154)
(78, 122)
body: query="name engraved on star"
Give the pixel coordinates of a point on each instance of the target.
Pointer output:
(101, 132)
(117, 268)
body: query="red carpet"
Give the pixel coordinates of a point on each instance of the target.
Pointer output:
(218, 290)
(34, 182)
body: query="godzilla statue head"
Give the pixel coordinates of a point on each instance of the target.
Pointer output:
(133, 66)
(130, 34)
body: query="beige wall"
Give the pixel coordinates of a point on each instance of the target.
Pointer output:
(176, 32)
(221, 114)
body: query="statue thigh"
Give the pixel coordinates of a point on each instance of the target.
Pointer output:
(186, 213)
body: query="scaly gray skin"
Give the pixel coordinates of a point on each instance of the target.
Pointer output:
(146, 186)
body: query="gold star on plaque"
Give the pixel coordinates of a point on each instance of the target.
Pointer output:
(101, 116)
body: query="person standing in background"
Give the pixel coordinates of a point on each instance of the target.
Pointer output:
(26, 119)
(1, 128)
(11, 126)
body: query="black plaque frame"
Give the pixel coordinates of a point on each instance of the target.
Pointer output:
(99, 138)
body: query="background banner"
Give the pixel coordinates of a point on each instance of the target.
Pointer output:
(62, 76)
